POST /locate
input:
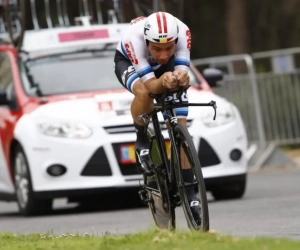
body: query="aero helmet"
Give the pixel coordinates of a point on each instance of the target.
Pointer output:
(160, 27)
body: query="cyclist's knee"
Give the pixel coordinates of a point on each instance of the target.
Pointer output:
(141, 92)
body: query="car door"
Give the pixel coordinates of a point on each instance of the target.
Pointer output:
(8, 116)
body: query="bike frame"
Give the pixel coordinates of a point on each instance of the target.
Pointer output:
(173, 121)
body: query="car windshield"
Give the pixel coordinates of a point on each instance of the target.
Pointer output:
(71, 73)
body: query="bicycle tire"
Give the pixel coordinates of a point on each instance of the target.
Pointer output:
(183, 138)
(21, 15)
(162, 210)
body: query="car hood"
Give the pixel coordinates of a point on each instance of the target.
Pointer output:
(110, 108)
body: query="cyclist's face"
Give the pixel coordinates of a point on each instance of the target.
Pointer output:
(162, 51)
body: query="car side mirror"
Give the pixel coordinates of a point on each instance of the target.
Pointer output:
(212, 76)
(3, 97)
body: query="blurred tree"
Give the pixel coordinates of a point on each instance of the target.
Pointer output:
(274, 25)
(217, 27)
(290, 28)
(237, 26)
(237, 31)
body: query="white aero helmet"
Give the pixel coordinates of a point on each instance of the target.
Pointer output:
(161, 27)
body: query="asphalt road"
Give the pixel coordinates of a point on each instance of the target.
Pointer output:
(271, 207)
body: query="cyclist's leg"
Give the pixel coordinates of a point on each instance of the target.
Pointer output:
(141, 103)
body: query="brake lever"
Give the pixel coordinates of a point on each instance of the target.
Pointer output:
(180, 92)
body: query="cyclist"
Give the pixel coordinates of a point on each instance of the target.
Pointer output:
(152, 56)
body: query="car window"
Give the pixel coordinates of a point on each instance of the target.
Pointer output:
(71, 73)
(5, 71)
(78, 72)
(6, 80)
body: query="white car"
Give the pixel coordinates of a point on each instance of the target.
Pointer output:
(66, 128)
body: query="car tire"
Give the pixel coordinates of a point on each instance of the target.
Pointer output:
(232, 191)
(27, 203)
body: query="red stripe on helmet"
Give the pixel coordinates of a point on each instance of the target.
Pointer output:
(159, 23)
(165, 22)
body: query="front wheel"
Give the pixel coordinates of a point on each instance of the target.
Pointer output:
(27, 203)
(185, 148)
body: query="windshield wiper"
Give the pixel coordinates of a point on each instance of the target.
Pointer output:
(24, 58)
(32, 83)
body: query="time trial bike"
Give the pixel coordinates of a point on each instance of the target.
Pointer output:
(165, 189)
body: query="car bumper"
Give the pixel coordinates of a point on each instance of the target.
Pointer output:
(223, 181)
(215, 147)
(93, 163)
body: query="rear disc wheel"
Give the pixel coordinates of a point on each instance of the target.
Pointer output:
(158, 193)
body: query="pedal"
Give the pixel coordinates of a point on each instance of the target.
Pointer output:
(176, 200)
(143, 196)
(160, 169)
(142, 170)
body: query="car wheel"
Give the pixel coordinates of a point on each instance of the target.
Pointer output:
(27, 203)
(232, 191)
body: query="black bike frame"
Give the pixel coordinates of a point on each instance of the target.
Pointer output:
(158, 135)
(172, 118)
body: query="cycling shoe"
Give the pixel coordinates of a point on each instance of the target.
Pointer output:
(196, 210)
(144, 162)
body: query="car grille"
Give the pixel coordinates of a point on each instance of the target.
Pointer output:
(126, 169)
(98, 165)
(129, 128)
(207, 155)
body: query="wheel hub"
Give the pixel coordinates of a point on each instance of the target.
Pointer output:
(21, 180)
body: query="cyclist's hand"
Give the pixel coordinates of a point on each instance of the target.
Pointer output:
(169, 81)
(182, 77)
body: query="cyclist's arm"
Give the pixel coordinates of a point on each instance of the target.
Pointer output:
(183, 47)
(155, 85)
(135, 50)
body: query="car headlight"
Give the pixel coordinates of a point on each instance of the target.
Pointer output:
(64, 129)
(225, 114)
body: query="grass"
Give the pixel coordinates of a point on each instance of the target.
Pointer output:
(151, 240)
